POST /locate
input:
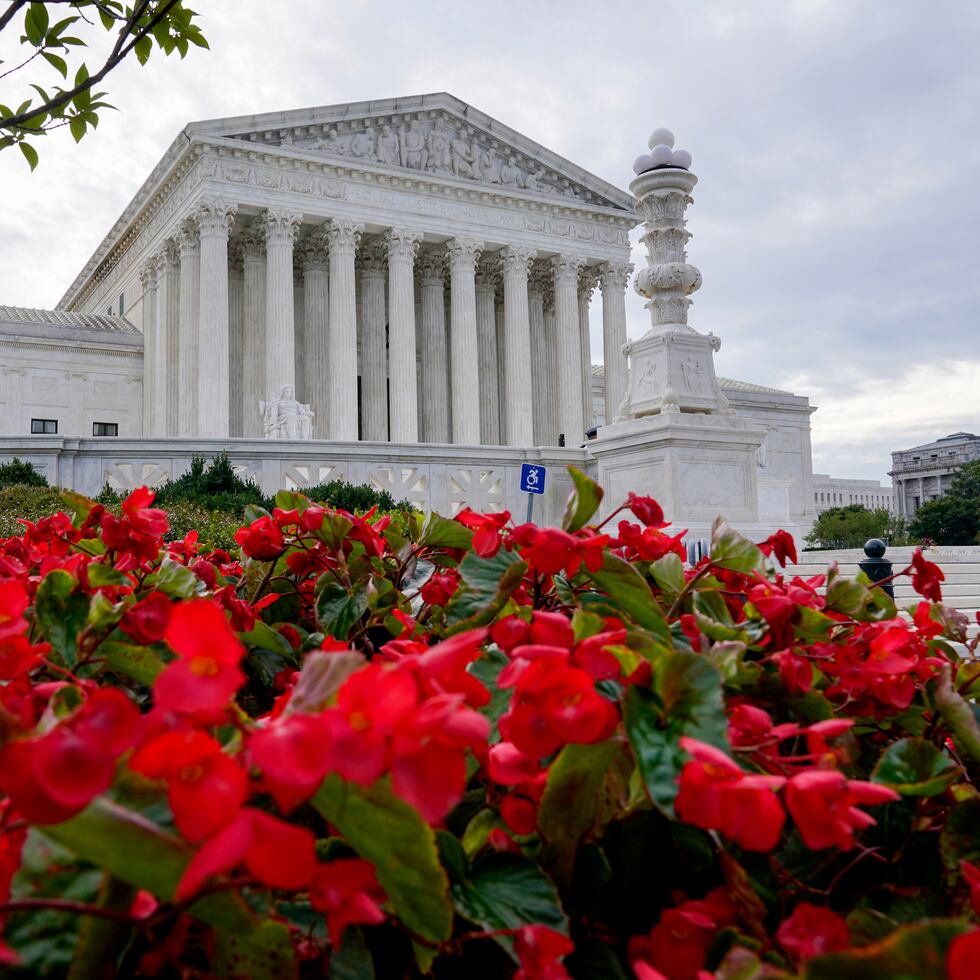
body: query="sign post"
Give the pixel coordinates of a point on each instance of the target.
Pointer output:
(532, 483)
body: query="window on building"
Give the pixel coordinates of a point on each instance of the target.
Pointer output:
(46, 427)
(105, 428)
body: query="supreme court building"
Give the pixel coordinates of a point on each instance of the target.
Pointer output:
(393, 292)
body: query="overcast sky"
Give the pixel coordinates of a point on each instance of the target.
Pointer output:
(837, 218)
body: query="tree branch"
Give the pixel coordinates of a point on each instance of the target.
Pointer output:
(119, 51)
(8, 14)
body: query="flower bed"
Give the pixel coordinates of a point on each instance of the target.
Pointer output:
(474, 749)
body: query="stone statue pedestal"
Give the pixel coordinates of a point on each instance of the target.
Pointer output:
(696, 466)
(672, 371)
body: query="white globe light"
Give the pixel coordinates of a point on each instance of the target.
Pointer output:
(642, 163)
(661, 155)
(681, 158)
(660, 137)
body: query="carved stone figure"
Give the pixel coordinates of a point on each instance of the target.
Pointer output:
(286, 418)
(389, 151)
(439, 153)
(413, 147)
(510, 173)
(362, 145)
(532, 181)
(489, 165)
(464, 160)
(693, 374)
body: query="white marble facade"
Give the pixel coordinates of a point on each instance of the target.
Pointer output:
(414, 270)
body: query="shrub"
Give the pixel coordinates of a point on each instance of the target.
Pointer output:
(20, 473)
(29, 502)
(356, 498)
(212, 486)
(469, 748)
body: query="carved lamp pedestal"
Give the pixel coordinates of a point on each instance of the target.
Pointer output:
(675, 437)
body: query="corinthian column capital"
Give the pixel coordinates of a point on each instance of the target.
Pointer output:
(188, 239)
(431, 266)
(281, 226)
(615, 275)
(344, 236)
(313, 251)
(566, 269)
(215, 216)
(515, 260)
(463, 254)
(372, 258)
(403, 243)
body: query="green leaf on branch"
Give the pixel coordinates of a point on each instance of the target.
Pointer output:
(629, 592)
(138, 662)
(957, 713)
(337, 610)
(264, 953)
(915, 767)
(441, 532)
(583, 501)
(668, 573)
(487, 584)
(402, 847)
(138, 851)
(586, 786)
(918, 951)
(30, 154)
(61, 612)
(507, 891)
(731, 550)
(685, 699)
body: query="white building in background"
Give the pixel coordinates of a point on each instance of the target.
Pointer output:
(396, 293)
(925, 472)
(831, 491)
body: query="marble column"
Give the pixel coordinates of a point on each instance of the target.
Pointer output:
(236, 352)
(568, 349)
(214, 220)
(343, 238)
(299, 328)
(464, 365)
(153, 405)
(587, 281)
(316, 330)
(540, 355)
(518, 406)
(403, 245)
(374, 344)
(433, 362)
(253, 330)
(486, 337)
(187, 351)
(551, 380)
(168, 330)
(613, 277)
(498, 315)
(281, 229)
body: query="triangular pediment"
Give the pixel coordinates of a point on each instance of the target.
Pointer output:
(435, 136)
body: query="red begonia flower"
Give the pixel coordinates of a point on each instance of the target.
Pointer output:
(782, 545)
(795, 672)
(812, 930)
(823, 804)
(275, 853)
(553, 705)
(139, 532)
(646, 510)
(510, 632)
(677, 946)
(18, 655)
(261, 540)
(347, 893)
(291, 754)
(206, 674)
(205, 787)
(439, 589)
(108, 721)
(13, 602)
(539, 950)
(508, 766)
(926, 577)
(486, 530)
(552, 551)
(963, 955)
(146, 622)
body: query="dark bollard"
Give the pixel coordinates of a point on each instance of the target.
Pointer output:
(876, 566)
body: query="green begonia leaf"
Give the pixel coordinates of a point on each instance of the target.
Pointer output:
(915, 767)
(583, 501)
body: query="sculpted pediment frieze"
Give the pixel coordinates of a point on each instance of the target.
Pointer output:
(432, 144)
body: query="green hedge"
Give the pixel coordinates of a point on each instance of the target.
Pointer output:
(19, 473)
(29, 502)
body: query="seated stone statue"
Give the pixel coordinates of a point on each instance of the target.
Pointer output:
(286, 418)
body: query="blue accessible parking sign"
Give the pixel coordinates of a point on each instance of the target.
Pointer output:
(532, 478)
